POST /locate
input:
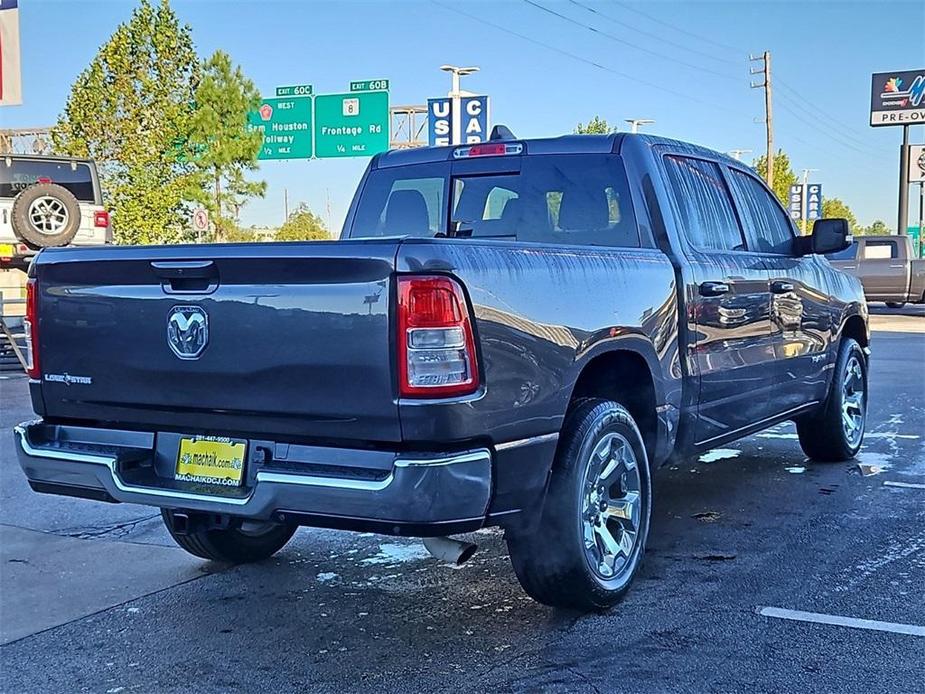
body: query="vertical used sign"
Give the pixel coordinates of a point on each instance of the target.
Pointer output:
(440, 122)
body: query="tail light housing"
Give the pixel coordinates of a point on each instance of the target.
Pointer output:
(101, 218)
(436, 346)
(31, 329)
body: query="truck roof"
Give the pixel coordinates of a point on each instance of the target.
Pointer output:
(564, 144)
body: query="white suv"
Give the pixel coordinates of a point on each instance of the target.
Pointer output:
(48, 201)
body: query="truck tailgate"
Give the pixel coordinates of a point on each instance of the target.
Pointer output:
(298, 340)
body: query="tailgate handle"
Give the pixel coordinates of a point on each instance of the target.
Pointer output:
(186, 276)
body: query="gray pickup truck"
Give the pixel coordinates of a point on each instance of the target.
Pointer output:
(887, 268)
(513, 334)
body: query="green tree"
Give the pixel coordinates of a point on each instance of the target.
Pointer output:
(128, 110)
(596, 126)
(784, 177)
(835, 208)
(878, 228)
(222, 147)
(303, 225)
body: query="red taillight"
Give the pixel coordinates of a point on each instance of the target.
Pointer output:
(101, 218)
(31, 326)
(436, 346)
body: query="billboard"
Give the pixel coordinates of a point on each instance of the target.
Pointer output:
(897, 98)
(916, 161)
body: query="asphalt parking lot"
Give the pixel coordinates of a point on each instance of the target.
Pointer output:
(744, 540)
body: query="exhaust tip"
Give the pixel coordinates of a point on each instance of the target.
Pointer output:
(455, 552)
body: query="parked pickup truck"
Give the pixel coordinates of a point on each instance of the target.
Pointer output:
(512, 333)
(887, 268)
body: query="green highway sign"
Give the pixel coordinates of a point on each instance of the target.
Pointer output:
(286, 125)
(295, 90)
(355, 124)
(369, 86)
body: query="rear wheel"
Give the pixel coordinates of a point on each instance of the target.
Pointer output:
(247, 541)
(592, 533)
(836, 431)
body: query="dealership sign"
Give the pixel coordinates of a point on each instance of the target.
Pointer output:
(472, 116)
(811, 208)
(439, 122)
(916, 159)
(898, 98)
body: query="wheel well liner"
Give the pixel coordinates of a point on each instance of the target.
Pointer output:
(625, 377)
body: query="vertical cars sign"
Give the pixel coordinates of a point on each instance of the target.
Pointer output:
(474, 116)
(10, 69)
(897, 98)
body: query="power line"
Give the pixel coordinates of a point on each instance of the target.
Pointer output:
(660, 39)
(797, 96)
(724, 46)
(617, 39)
(646, 83)
(788, 106)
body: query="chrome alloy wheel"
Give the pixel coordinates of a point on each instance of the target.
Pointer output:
(853, 403)
(48, 215)
(611, 507)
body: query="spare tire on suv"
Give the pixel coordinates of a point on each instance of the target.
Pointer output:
(45, 215)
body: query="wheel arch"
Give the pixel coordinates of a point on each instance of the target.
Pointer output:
(629, 374)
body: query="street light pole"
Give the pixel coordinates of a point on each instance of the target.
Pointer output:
(455, 95)
(636, 122)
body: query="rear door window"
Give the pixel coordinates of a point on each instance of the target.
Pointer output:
(18, 174)
(766, 224)
(704, 206)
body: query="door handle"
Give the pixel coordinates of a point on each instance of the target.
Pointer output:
(897, 267)
(713, 288)
(781, 287)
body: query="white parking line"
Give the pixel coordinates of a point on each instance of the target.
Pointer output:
(819, 618)
(908, 485)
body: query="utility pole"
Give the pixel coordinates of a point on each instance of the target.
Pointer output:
(737, 153)
(285, 205)
(803, 219)
(636, 122)
(765, 70)
(455, 95)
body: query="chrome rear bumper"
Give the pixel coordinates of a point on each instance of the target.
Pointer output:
(416, 491)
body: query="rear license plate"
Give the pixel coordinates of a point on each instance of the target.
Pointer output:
(7, 250)
(211, 460)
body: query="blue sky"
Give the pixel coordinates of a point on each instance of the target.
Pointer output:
(683, 64)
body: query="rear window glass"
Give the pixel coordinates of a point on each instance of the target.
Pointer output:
(564, 199)
(880, 250)
(18, 174)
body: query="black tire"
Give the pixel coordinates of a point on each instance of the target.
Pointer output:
(64, 203)
(552, 561)
(895, 304)
(823, 435)
(231, 545)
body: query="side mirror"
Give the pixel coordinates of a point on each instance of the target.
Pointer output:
(830, 236)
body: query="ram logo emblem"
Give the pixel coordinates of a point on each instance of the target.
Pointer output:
(187, 331)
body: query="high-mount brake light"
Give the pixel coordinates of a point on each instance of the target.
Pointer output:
(31, 328)
(436, 345)
(488, 149)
